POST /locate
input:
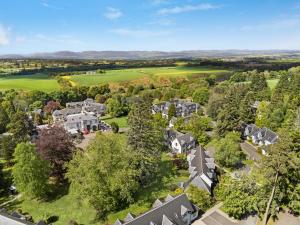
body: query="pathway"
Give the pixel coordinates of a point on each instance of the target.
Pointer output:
(251, 151)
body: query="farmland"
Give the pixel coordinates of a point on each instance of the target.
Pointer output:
(141, 75)
(152, 74)
(29, 82)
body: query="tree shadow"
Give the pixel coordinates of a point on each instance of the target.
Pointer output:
(57, 191)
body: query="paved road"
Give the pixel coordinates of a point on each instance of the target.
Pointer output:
(287, 219)
(215, 216)
(250, 150)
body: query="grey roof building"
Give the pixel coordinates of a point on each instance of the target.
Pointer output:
(201, 169)
(13, 219)
(86, 106)
(82, 122)
(172, 211)
(179, 142)
(260, 136)
(183, 108)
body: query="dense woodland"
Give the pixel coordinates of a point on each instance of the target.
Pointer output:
(114, 168)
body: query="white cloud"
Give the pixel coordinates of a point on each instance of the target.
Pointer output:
(139, 33)
(4, 35)
(159, 2)
(113, 13)
(47, 5)
(287, 23)
(187, 8)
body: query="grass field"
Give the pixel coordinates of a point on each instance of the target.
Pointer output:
(66, 207)
(29, 82)
(45, 83)
(153, 74)
(121, 121)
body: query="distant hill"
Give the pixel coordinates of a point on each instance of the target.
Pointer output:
(131, 55)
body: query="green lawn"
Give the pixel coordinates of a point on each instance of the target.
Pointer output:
(272, 83)
(121, 121)
(140, 73)
(65, 207)
(29, 82)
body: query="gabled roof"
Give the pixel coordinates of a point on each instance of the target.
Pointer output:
(201, 168)
(6, 219)
(252, 129)
(169, 213)
(169, 198)
(129, 217)
(185, 139)
(268, 135)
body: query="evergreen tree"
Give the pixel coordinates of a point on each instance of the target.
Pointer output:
(144, 138)
(2, 180)
(281, 168)
(7, 148)
(171, 111)
(246, 111)
(4, 120)
(20, 126)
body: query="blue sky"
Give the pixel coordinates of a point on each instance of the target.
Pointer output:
(28, 26)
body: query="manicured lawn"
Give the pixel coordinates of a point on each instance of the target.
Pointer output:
(121, 121)
(29, 82)
(65, 207)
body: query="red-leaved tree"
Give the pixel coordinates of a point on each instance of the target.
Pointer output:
(51, 107)
(55, 145)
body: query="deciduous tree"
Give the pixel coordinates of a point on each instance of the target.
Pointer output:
(105, 174)
(55, 146)
(30, 172)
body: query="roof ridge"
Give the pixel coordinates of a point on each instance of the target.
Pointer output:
(154, 209)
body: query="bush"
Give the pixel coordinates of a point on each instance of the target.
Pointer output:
(114, 127)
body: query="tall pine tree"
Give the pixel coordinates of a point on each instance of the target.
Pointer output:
(144, 138)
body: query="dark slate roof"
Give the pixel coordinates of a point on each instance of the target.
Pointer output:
(172, 134)
(169, 213)
(268, 135)
(6, 219)
(201, 168)
(185, 139)
(253, 129)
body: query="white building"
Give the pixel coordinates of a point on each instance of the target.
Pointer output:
(81, 122)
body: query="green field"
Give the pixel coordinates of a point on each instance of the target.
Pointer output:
(29, 82)
(45, 83)
(152, 74)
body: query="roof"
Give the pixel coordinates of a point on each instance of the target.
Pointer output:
(185, 139)
(253, 129)
(268, 135)
(169, 213)
(6, 219)
(80, 117)
(201, 168)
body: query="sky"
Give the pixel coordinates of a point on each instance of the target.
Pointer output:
(29, 26)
